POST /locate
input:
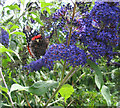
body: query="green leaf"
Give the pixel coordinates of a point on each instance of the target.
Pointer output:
(48, 10)
(17, 87)
(14, 27)
(17, 55)
(6, 97)
(10, 23)
(6, 29)
(99, 82)
(3, 89)
(42, 1)
(39, 88)
(5, 60)
(98, 75)
(43, 4)
(3, 49)
(22, 1)
(13, 7)
(33, 13)
(106, 94)
(38, 20)
(66, 91)
(19, 33)
(10, 56)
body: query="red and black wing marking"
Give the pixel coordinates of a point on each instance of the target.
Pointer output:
(37, 44)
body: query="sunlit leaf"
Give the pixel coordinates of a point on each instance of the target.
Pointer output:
(3, 89)
(38, 20)
(66, 91)
(43, 4)
(22, 1)
(3, 49)
(42, 1)
(17, 87)
(39, 88)
(10, 23)
(14, 27)
(106, 94)
(10, 56)
(48, 10)
(19, 33)
(13, 7)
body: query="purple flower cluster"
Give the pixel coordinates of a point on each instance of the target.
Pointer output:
(100, 33)
(73, 55)
(35, 65)
(64, 17)
(97, 31)
(105, 14)
(4, 37)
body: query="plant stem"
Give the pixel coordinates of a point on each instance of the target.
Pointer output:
(71, 26)
(74, 85)
(61, 84)
(63, 71)
(7, 88)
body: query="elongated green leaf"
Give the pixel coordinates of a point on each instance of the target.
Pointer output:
(48, 10)
(66, 91)
(3, 89)
(10, 56)
(99, 82)
(106, 94)
(14, 27)
(6, 97)
(17, 87)
(33, 13)
(19, 33)
(43, 4)
(13, 7)
(22, 1)
(3, 49)
(42, 1)
(98, 75)
(39, 88)
(17, 55)
(38, 20)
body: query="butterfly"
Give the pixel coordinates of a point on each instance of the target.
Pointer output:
(36, 42)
